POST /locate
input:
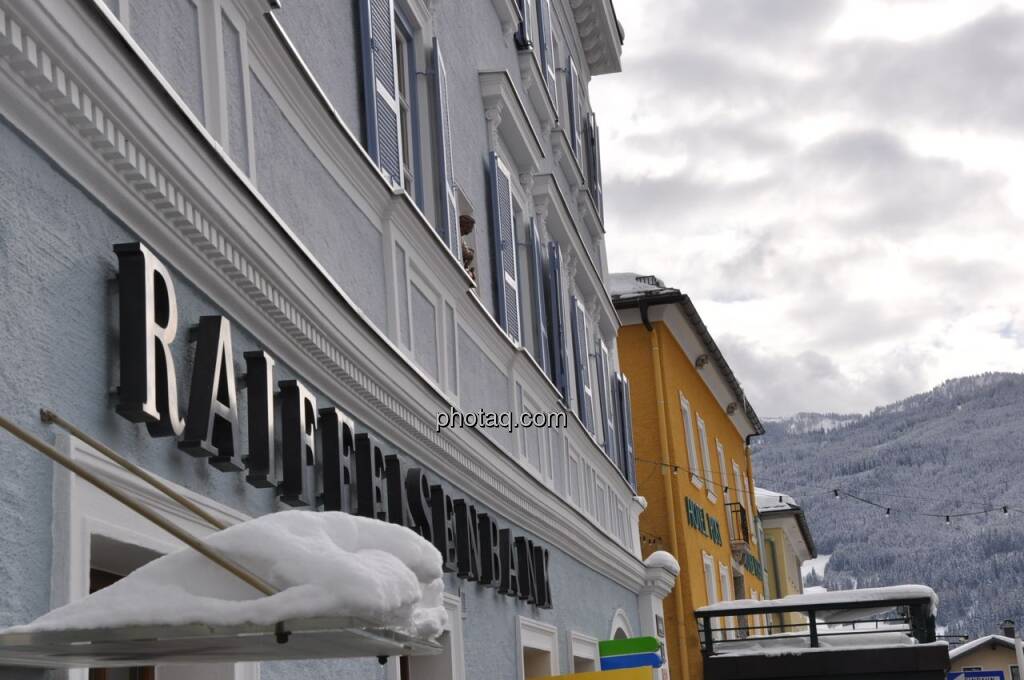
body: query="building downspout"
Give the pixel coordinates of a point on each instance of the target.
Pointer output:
(663, 444)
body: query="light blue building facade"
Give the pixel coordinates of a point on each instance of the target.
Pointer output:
(396, 206)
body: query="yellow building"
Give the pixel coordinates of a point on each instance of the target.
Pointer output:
(692, 427)
(787, 544)
(989, 653)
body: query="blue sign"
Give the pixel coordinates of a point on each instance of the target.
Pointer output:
(647, 659)
(976, 675)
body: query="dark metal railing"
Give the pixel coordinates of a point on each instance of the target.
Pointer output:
(913, 617)
(739, 528)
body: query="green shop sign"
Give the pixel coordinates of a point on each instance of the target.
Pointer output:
(753, 565)
(703, 522)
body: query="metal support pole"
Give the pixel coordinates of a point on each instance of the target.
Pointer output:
(812, 618)
(48, 416)
(182, 535)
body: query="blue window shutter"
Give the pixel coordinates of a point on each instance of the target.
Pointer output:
(626, 428)
(537, 283)
(524, 36)
(594, 172)
(556, 327)
(575, 101)
(545, 29)
(581, 355)
(503, 246)
(380, 87)
(604, 386)
(448, 208)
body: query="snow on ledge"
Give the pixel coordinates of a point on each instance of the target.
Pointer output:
(663, 560)
(326, 564)
(821, 601)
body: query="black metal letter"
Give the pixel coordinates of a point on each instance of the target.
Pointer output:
(259, 389)
(299, 455)
(149, 320)
(490, 551)
(468, 540)
(337, 446)
(371, 487)
(417, 492)
(443, 511)
(211, 427)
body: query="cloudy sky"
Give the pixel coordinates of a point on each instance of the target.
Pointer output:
(838, 184)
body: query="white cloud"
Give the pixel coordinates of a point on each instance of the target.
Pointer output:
(836, 183)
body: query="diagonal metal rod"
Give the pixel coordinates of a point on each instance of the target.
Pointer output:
(188, 539)
(48, 416)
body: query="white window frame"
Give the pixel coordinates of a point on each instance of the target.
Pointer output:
(533, 634)
(620, 622)
(453, 607)
(583, 647)
(709, 475)
(688, 441)
(740, 496)
(87, 512)
(723, 470)
(725, 583)
(710, 578)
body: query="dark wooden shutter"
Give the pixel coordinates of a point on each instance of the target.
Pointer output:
(503, 246)
(581, 356)
(575, 102)
(380, 87)
(594, 164)
(448, 209)
(540, 320)
(604, 387)
(556, 325)
(524, 36)
(545, 30)
(626, 428)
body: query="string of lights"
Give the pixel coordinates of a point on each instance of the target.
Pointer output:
(839, 493)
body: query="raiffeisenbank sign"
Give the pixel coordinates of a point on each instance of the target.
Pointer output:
(322, 462)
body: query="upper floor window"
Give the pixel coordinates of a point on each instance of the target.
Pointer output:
(702, 432)
(688, 441)
(405, 68)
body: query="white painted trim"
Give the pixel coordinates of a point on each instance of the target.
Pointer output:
(620, 622)
(583, 647)
(533, 634)
(80, 511)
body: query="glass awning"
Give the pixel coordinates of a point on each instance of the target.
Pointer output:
(196, 643)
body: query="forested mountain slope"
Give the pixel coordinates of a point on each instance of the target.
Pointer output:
(956, 449)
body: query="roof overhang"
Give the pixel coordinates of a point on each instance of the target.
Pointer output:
(652, 307)
(600, 34)
(771, 518)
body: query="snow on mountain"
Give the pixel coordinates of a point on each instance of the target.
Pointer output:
(958, 448)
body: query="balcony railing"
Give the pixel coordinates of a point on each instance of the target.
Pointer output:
(739, 527)
(838, 622)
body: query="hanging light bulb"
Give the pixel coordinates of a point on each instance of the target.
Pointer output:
(675, 470)
(947, 520)
(1006, 511)
(836, 493)
(888, 513)
(780, 498)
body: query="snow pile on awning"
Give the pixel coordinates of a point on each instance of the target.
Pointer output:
(328, 564)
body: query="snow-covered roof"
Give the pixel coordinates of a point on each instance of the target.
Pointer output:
(820, 601)
(980, 642)
(798, 643)
(325, 564)
(771, 501)
(631, 283)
